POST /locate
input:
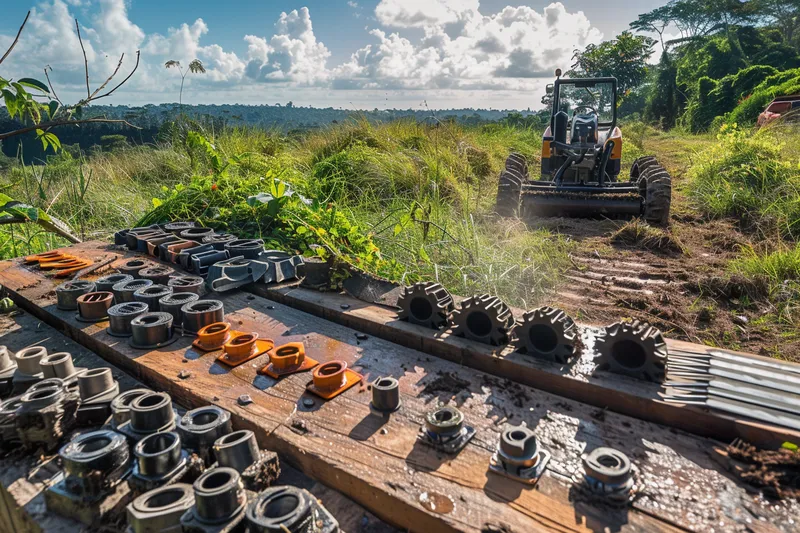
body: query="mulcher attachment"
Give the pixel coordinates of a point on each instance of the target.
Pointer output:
(635, 349)
(483, 319)
(427, 304)
(547, 333)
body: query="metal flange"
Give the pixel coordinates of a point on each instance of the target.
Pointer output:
(239, 450)
(150, 331)
(547, 333)
(426, 303)
(519, 456)
(67, 294)
(121, 405)
(445, 429)
(201, 427)
(121, 315)
(94, 461)
(607, 476)
(219, 498)
(160, 509)
(149, 413)
(159, 460)
(289, 510)
(483, 319)
(94, 306)
(635, 349)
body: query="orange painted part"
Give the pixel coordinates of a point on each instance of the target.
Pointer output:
(332, 378)
(174, 249)
(545, 149)
(243, 347)
(616, 136)
(288, 359)
(45, 257)
(61, 264)
(67, 272)
(212, 336)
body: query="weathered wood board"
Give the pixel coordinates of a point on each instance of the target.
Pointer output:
(24, 478)
(381, 464)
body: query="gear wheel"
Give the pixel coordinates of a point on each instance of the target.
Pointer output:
(426, 303)
(548, 333)
(483, 319)
(635, 349)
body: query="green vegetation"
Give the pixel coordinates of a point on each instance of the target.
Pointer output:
(777, 274)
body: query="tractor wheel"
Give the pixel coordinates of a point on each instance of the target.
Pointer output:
(509, 190)
(640, 165)
(657, 195)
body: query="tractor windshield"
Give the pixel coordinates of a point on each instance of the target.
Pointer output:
(586, 97)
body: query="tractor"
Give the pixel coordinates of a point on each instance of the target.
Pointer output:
(581, 163)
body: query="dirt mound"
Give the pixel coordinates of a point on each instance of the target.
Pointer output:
(641, 235)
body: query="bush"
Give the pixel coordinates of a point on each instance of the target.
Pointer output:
(745, 176)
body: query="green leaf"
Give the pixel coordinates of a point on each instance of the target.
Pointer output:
(397, 229)
(301, 230)
(424, 255)
(53, 108)
(157, 202)
(34, 84)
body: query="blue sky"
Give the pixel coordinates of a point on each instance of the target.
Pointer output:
(368, 53)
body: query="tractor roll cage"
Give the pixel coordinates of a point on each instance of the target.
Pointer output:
(586, 82)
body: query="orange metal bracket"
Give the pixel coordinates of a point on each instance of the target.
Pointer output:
(242, 348)
(213, 336)
(46, 256)
(288, 359)
(332, 378)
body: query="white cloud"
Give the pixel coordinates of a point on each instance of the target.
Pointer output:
(445, 47)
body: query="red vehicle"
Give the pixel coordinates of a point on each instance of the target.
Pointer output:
(779, 106)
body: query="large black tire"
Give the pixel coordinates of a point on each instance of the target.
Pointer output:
(640, 165)
(657, 186)
(509, 187)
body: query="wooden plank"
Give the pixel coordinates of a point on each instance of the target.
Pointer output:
(24, 478)
(578, 381)
(384, 468)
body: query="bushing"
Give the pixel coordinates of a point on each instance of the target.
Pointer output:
(178, 226)
(94, 306)
(483, 319)
(152, 330)
(121, 315)
(288, 510)
(201, 262)
(132, 267)
(159, 460)
(152, 295)
(317, 272)
(160, 510)
(7, 368)
(121, 405)
(173, 303)
(608, 475)
(171, 251)
(547, 333)
(159, 274)
(218, 240)
(67, 294)
(37, 398)
(219, 498)
(247, 248)
(29, 359)
(94, 461)
(519, 456)
(201, 427)
(213, 336)
(237, 450)
(123, 291)
(149, 413)
(106, 283)
(201, 313)
(445, 429)
(58, 365)
(426, 304)
(185, 256)
(385, 395)
(96, 382)
(154, 244)
(186, 284)
(196, 233)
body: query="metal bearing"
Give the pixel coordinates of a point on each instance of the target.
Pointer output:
(96, 382)
(286, 509)
(427, 304)
(237, 450)
(133, 267)
(94, 460)
(201, 313)
(67, 294)
(106, 283)
(247, 248)
(151, 295)
(635, 349)
(518, 456)
(28, 360)
(218, 240)
(121, 315)
(43, 396)
(158, 455)
(123, 291)
(483, 319)
(121, 405)
(151, 413)
(218, 496)
(57, 365)
(608, 474)
(548, 333)
(445, 429)
(160, 509)
(201, 427)
(184, 284)
(94, 306)
(173, 303)
(385, 395)
(152, 330)
(158, 274)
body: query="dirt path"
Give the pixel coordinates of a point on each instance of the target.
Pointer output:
(678, 280)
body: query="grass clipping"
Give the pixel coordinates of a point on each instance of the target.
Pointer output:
(639, 234)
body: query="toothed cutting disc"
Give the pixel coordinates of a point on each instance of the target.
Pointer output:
(635, 349)
(427, 304)
(483, 319)
(548, 333)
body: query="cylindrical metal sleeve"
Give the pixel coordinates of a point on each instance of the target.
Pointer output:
(95, 381)
(57, 365)
(151, 412)
(237, 450)
(158, 454)
(385, 394)
(218, 494)
(201, 313)
(28, 359)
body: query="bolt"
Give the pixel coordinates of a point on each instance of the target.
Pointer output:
(361, 336)
(183, 374)
(345, 306)
(308, 402)
(244, 399)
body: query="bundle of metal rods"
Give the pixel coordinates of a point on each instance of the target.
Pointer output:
(763, 389)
